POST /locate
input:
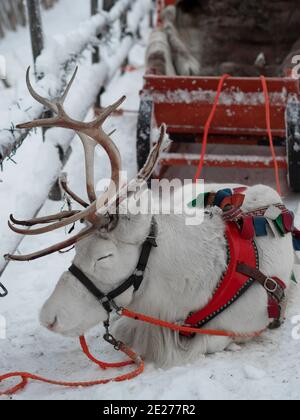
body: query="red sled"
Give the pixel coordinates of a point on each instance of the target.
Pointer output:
(184, 104)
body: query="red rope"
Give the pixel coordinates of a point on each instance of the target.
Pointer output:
(25, 377)
(208, 125)
(269, 129)
(134, 358)
(102, 365)
(268, 122)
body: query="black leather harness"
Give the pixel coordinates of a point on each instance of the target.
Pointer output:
(3, 291)
(135, 281)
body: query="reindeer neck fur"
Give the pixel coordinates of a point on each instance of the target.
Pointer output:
(176, 281)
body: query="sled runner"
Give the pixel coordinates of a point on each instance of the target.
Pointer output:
(245, 113)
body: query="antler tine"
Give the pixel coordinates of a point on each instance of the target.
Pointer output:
(91, 134)
(44, 101)
(51, 250)
(54, 105)
(93, 211)
(89, 146)
(43, 220)
(64, 185)
(143, 176)
(108, 111)
(88, 214)
(67, 90)
(162, 144)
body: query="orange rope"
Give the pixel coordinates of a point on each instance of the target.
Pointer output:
(208, 125)
(269, 128)
(101, 364)
(25, 377)
(134, 358)
(189, 330)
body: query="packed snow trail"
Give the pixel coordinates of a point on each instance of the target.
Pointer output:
(266, 368)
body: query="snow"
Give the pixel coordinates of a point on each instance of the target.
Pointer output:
(87, 85)
(228, 97)
(252, 372)
(266, 368)
(193, 159)
(62, 50)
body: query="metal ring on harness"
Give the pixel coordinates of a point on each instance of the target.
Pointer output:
(274, 283)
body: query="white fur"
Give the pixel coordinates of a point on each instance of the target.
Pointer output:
(181, 277)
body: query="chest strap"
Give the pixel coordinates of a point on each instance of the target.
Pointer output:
(242, 272)
(233, 284)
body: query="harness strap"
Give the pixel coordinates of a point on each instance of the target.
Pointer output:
(3, 291)
(133, 281)
(89, 285)
(138, 276)
(274, 287)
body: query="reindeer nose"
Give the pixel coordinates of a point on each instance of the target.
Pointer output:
(51, 326)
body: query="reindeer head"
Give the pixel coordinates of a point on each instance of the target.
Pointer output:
(108, 248)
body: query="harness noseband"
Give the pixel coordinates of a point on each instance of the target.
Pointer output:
(135, 281)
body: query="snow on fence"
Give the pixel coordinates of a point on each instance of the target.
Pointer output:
(61, 54)
(13, 14)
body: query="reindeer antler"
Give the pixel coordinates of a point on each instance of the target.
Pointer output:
(91, 135)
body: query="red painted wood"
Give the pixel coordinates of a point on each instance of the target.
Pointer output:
(237, 119)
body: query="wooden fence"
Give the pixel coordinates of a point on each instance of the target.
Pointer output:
(13, 14)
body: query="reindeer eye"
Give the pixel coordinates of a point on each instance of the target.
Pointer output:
(104, 258)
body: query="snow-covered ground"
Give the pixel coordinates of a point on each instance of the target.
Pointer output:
(268, 367)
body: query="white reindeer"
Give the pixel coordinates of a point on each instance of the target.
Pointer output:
(182, 272)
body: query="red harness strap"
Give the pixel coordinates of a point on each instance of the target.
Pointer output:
(242, 273)
(232, 284)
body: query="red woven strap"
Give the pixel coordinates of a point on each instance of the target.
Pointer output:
(248, 231)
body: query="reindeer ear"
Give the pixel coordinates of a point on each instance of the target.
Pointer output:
(135, 218)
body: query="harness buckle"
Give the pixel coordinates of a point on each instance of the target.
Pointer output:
(273, 283)
(118, 309)
(110, 339)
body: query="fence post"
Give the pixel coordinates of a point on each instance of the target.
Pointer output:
(124, 22)
(37, 42)
(36, 27)
(107, 5)
(94, 11)
(152, 13)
